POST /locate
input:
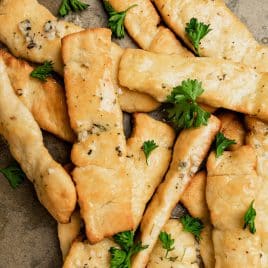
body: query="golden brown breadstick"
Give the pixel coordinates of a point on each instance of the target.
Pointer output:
(102, 181)
(258, 139)
(226, 84)
(142, 23)
(232, 184)
(33, 33)
(229, 38)
(46, 101)
(190, 149)
(54, 187)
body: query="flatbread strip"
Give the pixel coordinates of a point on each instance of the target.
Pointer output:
(190, 149)
(46, 101)
(83, 254)
(257, 138)
(43, 42)
(142, 23)
(229, 39)
(53, 185)
(130, 101)
(146, 178)
(102, 182)
(232, 184)
(68, 232)
(233, 128)
(194, 199)
(184, 253)
(228, 85)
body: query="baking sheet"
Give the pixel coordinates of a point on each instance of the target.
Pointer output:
(28, 234)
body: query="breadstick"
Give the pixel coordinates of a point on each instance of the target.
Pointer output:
(53, 185)
(190, 149)
(229, 38)
(226, 84)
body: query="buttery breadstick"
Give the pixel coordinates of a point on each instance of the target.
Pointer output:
(194, 199)
(46, 101)
(33, 33)
(226, 84)
(184, 253)
(145, 178)
(190, 150)
(53, 185)
(258, 139)
(142, 23)
(102, 181)
(232, 184)
(229, 38)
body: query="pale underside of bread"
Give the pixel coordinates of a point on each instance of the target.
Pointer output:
(46, 101)
(48, 44)
(53, 185)
(226, 84)
(232, 184)
(190, 149)
(229, 38)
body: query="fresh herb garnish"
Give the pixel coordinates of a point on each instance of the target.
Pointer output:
(148, 147)
(120, 258)
(249, 218)
(116, 19)
(195, 32)
(222, 143)
(42, 72)
(167, 244)
(71, 5)
(192, 225)
(13, 174)
(186, 112)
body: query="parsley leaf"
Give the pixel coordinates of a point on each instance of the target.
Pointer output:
(43, 71)
(120, 258)
(167, 243)
(195, 32)
(185, 112)
(74, 5)
(13, 174)
(116, 19)
(124, 239)
(222, 143)
(192, 225)
(148, 147)
(249, 218)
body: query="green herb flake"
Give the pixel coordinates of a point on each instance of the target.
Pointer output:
(148, 147)
(42, 72)
(13, 174)
(222, 143)
(249, 218)
(185, 112)
(71, 5)
(196, 31)
(192, 225)
(167, 244)
(116, 19)
(121, 257)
